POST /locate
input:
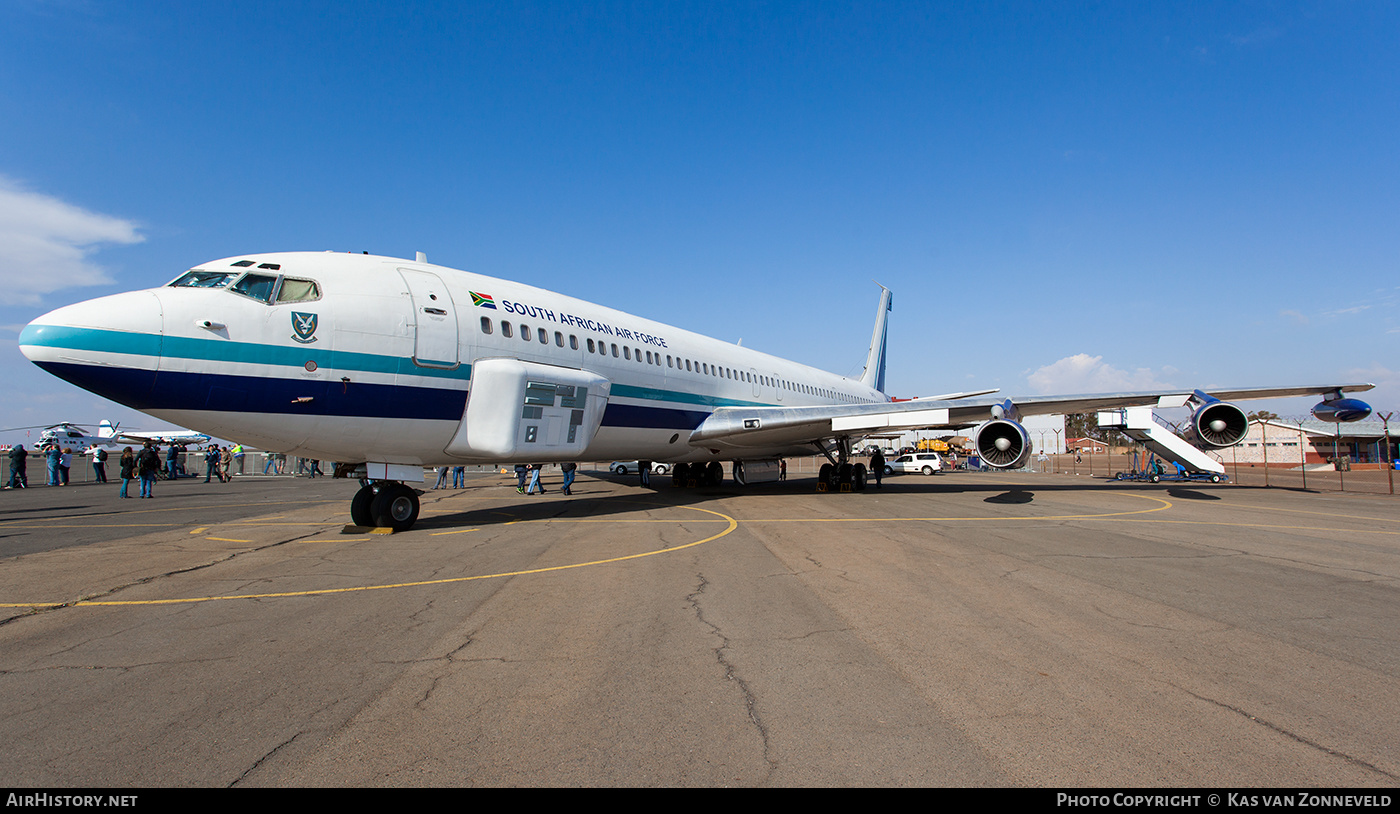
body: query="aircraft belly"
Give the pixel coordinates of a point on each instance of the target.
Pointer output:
(340, 439)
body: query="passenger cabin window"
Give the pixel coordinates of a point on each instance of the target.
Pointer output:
(486, 325)
(256, 286)
(505, 329)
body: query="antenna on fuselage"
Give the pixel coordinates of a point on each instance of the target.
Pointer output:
(420, 257)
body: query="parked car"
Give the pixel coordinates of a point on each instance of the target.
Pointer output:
(926, 463)
(630, 468)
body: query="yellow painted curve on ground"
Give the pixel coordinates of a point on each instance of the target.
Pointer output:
(730, 525)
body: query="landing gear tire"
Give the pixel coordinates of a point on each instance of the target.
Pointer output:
(395, 507)
(360, 513)
(680, 474)
(714, 474)
(827, 475)
(858, 476)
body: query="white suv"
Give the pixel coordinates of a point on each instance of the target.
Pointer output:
(630, 468)
(926, 462)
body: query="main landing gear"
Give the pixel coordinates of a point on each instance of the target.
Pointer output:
(711, 474)
(840, 475)
(385, 504)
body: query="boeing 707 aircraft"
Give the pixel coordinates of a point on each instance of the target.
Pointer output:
(389, 365)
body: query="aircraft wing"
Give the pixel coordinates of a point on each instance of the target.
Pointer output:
(757, 427)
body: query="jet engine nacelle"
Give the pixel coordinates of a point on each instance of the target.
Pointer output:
(1003, 444)
(1340, 409)
(1216, 425)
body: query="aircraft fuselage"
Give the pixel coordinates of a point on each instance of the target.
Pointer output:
(359, 358)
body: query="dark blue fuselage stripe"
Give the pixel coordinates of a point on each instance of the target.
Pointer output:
(169, 390)
(652, 418)
(148, 390)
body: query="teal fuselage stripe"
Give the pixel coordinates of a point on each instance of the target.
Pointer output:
(219, 350)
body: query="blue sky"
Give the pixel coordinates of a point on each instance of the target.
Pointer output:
(1064, 197)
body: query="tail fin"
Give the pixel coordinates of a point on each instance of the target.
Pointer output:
(106, 430)
(874, 375)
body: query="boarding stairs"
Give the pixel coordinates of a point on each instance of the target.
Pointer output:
(1143, 426)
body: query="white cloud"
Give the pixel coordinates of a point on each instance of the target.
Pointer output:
(1082, 373)
(45, 243)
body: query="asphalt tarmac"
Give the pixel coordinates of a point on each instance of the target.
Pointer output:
(969, 629)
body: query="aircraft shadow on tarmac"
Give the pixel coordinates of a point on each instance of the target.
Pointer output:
(590, 501)
(1190, 494)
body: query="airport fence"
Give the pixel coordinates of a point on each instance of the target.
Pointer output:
(255, 463)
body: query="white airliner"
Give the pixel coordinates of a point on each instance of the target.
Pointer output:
(388, 365)
(112, 434)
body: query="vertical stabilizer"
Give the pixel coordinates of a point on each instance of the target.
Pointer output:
(874, 375)
(106, 430)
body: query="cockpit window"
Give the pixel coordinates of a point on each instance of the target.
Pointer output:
(199, 278)
(294, 290)
(257, 286)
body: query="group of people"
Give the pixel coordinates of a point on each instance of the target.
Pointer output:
(532, 471)
(459, 477)
(143, 464)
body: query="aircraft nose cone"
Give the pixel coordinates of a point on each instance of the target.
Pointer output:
(110, 345)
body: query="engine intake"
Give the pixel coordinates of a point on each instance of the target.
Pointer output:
(1003, 444)
(1217, 425)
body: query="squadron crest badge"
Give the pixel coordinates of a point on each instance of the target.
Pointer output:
(303, 327)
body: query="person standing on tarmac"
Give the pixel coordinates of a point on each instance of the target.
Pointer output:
(99, 463)
(147, 465)
(211, 462)
(535, 479)
(877, 467)
(19, 461)
(51, 455)
(127, 470)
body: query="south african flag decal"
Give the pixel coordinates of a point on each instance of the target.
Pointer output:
(483, 300)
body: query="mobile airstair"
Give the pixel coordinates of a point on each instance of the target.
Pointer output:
(1143, 426)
